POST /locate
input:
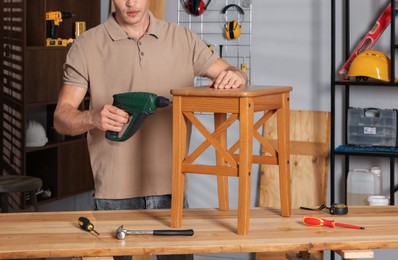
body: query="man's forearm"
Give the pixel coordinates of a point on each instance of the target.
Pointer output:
(71, 121)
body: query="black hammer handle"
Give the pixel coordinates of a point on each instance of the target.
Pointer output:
(179, 232)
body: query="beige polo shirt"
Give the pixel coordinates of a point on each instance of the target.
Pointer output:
(106, 61)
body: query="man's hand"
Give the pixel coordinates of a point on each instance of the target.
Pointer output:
(228, 79)
(69, 120)
(225, 76)
(109, 118)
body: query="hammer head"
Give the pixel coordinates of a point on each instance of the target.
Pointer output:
(120, 233)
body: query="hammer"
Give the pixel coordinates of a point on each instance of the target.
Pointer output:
(121, 232)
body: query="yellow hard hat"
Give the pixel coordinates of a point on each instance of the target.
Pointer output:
(370, 64)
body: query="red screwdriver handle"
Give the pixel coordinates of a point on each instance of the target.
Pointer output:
(314, 221)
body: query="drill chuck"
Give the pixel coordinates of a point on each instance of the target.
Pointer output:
(162, 101)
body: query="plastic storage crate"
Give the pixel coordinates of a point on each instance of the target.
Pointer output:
(372, 127)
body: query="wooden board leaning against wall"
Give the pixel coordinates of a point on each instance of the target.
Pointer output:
(157, 7)
(309, 138)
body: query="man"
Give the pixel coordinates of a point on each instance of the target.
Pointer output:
(133, 51)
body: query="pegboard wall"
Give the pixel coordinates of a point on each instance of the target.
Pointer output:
(211, 27)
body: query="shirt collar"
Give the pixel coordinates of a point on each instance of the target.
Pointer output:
(117, 33)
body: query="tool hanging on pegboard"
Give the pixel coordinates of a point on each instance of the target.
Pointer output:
(53, 20)
(195, 7)
(243, 66)
(232, 27)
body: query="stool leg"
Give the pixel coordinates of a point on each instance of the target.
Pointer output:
(4, 202)
(179, 152)
(246, 121)
(283, 119)
(33, 198)
(222, 181)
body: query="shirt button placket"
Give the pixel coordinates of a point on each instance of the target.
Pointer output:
(141, 52)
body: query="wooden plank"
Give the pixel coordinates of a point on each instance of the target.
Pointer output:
(309, 136)
(307, 189)
(306, 126)
(354, 254)
(57, 234)
(306, 148)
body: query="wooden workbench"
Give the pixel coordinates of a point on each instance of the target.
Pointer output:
(57, 234)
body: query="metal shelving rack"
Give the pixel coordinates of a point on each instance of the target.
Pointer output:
(346, 86)
(210, 27)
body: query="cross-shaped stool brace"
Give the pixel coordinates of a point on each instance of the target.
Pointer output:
(229, 106)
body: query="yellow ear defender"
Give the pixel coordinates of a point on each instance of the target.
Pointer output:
(232, 28)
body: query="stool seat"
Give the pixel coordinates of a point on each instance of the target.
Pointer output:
(18, 183)
(229, 106)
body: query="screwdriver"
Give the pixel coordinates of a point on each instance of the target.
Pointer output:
(243, 66)
(314, 221)
(86, 225)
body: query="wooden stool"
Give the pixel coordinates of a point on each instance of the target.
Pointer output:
(18, 183)
(239, 104)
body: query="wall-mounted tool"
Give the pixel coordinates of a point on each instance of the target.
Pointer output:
(139, 105)
(121, 233)
(232, 27)
(54, 18)
(243, 65)
(335, 209)
(314, 221)
(86, 225)
(80, 27)
(369, 40)
(195, 7)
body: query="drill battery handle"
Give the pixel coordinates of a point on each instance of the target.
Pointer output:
(139, 105)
